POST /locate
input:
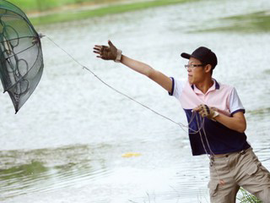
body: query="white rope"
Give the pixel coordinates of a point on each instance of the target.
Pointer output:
(182, 126)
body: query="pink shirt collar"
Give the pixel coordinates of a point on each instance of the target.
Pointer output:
(215, 86)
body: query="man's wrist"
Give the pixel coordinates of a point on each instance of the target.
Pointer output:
(118, 56)
(216, 114)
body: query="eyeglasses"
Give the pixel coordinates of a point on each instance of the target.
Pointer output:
(192, 66)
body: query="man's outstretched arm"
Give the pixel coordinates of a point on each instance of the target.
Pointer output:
(112, 53)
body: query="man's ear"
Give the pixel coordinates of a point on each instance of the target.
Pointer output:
(208, 68)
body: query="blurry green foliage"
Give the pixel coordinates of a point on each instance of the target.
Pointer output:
(61, 16)
(43, 5)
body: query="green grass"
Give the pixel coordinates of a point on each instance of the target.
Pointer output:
(248, 198)
(106, 10)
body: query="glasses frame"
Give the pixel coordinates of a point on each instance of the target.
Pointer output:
(192, 66)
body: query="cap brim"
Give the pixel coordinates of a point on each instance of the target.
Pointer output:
(186, 56)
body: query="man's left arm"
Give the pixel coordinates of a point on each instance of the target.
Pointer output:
(235, 122)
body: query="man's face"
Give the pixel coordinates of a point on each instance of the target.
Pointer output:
(195, 69)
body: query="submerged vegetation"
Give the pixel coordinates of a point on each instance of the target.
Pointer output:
(252, 22)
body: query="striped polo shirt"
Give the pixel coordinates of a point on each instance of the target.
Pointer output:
(206, 135)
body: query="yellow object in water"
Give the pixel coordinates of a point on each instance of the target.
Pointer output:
(131, 154)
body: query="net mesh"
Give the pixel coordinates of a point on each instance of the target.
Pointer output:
(21, 60)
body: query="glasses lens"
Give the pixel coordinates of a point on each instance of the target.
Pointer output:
(193, 65)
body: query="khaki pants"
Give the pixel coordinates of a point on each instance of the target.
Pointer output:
(238, 169)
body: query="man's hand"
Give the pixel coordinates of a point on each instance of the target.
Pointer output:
(205, 111)
(108, 52)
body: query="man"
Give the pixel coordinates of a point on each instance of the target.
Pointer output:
(216, 123)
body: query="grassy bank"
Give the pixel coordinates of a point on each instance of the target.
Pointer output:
(104, 9)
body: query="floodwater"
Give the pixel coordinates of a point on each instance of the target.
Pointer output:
(76, 140)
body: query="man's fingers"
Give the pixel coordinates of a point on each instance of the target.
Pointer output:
(100, 47)
(198, 108)
(96, 52)
(207, 109)
(101, 57)
(201, 110)
(111, 44)
(97, 48)
(105, 52)
(101, 50)
(202, 113)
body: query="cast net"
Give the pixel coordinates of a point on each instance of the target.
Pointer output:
(21, 60)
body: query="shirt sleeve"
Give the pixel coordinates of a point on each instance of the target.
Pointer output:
(235, 103)
(177, 88)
